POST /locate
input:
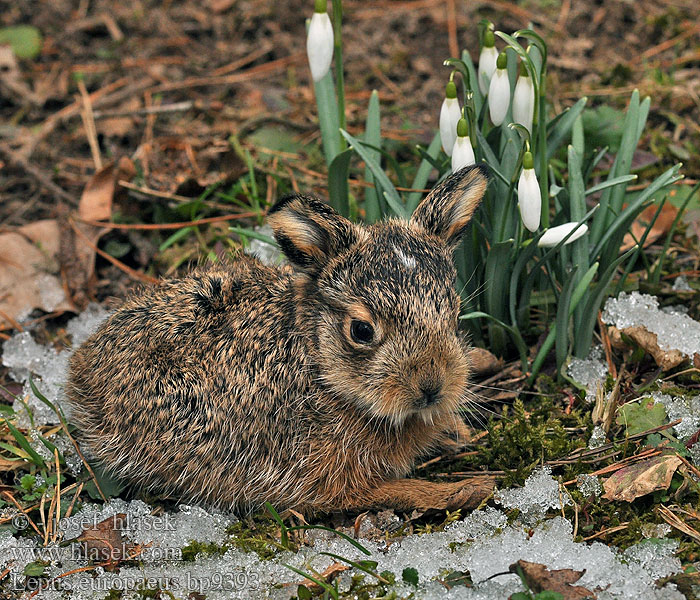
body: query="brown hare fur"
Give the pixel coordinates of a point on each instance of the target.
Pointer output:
(313, 386)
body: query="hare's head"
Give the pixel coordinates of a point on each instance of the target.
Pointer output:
(380, 300)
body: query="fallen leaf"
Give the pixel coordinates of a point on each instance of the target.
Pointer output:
(639, 479)
(661, 226)
(96, 200)
(540, 579)
(78, 239)
(641, 416)
(483, 362)
(29, 271)
(105, 541)
(648, 341)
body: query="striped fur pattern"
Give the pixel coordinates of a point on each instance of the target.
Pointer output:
(243, 383)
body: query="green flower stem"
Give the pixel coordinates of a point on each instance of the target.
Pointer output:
(338, 51)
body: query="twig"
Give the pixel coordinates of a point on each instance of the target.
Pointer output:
(19, 506)
(452, 29)
(89, 124)
(181, 225)
(149, 110)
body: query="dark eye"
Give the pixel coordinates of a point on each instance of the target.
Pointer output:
(361, 331)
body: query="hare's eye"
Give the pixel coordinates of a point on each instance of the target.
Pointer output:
(361, 331)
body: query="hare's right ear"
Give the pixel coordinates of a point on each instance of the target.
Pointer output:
(309, 231)
(447, 210)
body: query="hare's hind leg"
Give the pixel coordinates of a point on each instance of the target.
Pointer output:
(410, 494)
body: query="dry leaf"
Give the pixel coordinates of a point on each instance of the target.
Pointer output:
(105, 542)
(483, 362)
(28, 271)
(666, 359)
(96, 201)
(661, 226)
(641, 478)
(539, 579)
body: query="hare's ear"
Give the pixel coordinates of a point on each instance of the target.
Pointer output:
(309, 231)
(447, 210)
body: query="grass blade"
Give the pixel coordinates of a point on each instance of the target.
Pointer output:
(422, 174)
(373, 137)
(328, 117)
(390, 193)
(338, 194)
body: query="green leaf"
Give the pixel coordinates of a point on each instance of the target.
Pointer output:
(34, 569)
(561, 130)
(328, 117)
(27, 482)
(641, 416)
(373, 137)
(303, 593)
(254, 234)
(24, 444)
(423, 172)
(110, 485)
(25, 40)
(410, 575)
(562, 322)
(390, 193)
(338, 183)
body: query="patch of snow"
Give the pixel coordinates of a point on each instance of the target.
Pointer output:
(680, 284)
(267, 253)
(673, 331)
(540, 494)
(589, 485)
(679, 407)
(598, 438)
(589, 372)
(24, 357)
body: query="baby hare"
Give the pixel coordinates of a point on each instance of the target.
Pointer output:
(313, 386)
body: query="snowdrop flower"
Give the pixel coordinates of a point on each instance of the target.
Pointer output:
(499, 91)
(462, 153)
(319, 41)
(450, 114)
(524, 99)
(529, 199)
(487, 62)
(554, 235)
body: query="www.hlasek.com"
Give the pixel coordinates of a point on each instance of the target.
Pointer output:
(233, 581)
(97, 553)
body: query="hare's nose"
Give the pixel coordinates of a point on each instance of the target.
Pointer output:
(431, 394)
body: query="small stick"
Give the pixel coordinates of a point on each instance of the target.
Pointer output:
(452, 28)
(17, 504)
(89, 123)
(181, 225)
(58, 494)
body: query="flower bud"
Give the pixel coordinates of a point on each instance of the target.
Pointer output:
(554, 235)
(319, 42)
(499, 91)
(524, 99)
(450, 114)
(487, 62)
(462, 153)
(529, 199)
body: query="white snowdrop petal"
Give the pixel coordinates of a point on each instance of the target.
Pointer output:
(462, 153)
(524, 102)
(529, 199)
(450, 113)
(319, 45)
(487, 66)
(554, 235)
(499, 96)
